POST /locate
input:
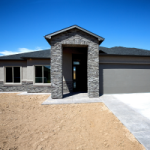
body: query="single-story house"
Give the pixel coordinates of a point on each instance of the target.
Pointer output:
(76, 63)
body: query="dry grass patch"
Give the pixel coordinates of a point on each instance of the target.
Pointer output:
(25, 124)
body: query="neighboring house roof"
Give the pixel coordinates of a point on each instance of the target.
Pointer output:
(35, 54)
(123, 51)
(44, 54)
(48, 36)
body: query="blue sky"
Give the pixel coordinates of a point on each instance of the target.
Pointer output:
(23, 23)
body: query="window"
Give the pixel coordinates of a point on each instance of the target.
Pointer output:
(12, 74)
(76, 62)
(42, 74)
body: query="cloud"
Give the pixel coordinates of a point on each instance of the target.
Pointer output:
(6, 53)
(20, 50)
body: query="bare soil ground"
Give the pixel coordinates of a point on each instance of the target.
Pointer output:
(25, 124)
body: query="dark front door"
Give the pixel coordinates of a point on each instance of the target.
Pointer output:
(79, 72)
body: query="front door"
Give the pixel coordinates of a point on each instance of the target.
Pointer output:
(79, 72)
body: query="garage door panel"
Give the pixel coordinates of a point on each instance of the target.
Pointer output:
(119, 78)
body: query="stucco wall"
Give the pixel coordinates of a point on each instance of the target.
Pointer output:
(27, 77)
(24, 73)
(30, 76)
(124, 74)
(12, 63)
(67, 65)
(30, 66)
(124, 59)
(27, 67)
(1, 74)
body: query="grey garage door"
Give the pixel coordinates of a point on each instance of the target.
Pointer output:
(123, 78)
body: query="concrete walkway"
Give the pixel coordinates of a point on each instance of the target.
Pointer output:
(123, 106)
(73, 98)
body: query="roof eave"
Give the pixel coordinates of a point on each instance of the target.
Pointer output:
(12, 59)
(48, 40)
(35, 58)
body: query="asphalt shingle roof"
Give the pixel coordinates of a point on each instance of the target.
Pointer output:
(123, 51)
(102, 50)
(22, 56)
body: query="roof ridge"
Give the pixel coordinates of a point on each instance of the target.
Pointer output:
(130, 47)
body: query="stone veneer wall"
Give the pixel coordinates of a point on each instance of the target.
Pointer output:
(74, 37)
(37, 89)
(13, 88)
(30, 88)
(26, 86)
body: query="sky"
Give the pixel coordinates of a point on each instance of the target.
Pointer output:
(24, 23)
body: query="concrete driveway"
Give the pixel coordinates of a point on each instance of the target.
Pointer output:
(133, 110)
(140, 102)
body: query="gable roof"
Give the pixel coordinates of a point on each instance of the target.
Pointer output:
(45, 54)
(48, 36)
(21, 56)
(123, 51)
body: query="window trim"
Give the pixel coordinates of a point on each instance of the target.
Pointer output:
(12, 83)
(40, 84)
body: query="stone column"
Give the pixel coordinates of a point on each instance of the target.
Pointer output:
(56, 71)
(93, 70)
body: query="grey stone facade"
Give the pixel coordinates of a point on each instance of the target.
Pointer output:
(76, 38)
(26, 86)
(56, 70)
(13, 88)
(37, 89)
(30, 88)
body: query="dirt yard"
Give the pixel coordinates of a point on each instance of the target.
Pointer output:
(25, 124)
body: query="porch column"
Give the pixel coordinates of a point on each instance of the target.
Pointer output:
(93, 70)
(56, 71)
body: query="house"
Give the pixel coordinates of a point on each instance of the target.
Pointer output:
(77, 63)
